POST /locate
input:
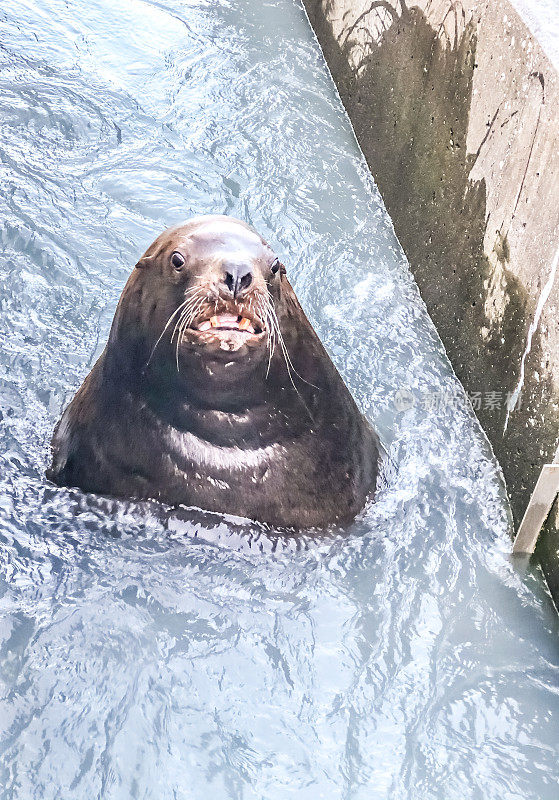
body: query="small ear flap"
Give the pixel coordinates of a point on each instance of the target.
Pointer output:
(143, 262)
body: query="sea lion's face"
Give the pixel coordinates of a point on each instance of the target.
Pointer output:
(217, 283)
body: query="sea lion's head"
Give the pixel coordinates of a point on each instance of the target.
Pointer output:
(202, 302)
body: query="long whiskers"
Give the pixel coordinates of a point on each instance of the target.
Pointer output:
(182, 310)
(288, 361)
(162, 334)
(185, 320)
(263, 307)
(262, 311)
(269, 317)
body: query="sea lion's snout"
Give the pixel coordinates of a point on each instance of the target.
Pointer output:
(237, 278)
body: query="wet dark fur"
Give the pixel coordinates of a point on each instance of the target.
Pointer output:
(240, 432)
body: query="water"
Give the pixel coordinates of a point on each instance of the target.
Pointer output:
(145, 655)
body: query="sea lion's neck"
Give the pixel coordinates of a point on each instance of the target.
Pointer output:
(253, 427)
(259, 420)
(250, 415)
(265, 404)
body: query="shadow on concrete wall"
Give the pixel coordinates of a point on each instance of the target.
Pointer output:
(409, 100)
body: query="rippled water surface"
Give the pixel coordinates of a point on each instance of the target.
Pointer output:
(150, 655)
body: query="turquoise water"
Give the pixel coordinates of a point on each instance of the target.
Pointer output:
(145, 654)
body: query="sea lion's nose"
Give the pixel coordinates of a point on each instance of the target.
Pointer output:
(237, 277)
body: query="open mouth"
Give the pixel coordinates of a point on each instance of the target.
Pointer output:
(223, 322)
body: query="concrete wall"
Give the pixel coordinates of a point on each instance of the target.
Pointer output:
(456, 108)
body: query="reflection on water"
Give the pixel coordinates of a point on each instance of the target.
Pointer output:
(149, 655)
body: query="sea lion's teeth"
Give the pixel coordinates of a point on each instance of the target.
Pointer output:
(245, 324)
(205, 326)
(214, 322)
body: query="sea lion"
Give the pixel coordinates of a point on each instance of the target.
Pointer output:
(214, 391)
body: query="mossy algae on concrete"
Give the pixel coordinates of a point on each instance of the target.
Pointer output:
(408, 87)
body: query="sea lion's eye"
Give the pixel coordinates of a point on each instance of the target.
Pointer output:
(177, 260)
(275, 266)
